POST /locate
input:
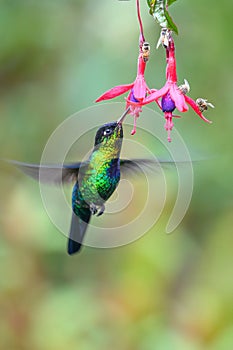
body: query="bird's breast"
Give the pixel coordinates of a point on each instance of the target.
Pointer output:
(100, 181)
(107, 178)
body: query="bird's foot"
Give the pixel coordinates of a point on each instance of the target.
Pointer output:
(101, 210)
(97, 210)
(93, 209)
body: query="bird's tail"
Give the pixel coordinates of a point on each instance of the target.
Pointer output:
(77, 231)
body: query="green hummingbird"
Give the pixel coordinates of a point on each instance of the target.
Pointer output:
(95, 179)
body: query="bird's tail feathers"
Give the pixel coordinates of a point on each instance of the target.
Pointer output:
(77, 231)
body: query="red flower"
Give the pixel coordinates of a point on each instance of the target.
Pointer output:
(171, 95)
(138, 89)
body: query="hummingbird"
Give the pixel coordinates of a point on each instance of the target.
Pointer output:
(95, 179)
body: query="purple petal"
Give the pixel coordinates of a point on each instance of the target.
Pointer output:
(132, 97)
(168, 105)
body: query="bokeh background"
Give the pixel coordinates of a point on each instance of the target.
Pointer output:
(164, 291)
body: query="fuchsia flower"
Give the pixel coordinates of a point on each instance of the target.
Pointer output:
(171, 95)
(168, 97)
(138, 89)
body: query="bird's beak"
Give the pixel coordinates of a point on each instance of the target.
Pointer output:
(121, 119)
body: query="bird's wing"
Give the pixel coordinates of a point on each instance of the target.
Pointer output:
(137, 166)
(66, 173)
(49, 174)
(77, 231)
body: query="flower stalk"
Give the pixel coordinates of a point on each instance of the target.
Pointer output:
(138, 90)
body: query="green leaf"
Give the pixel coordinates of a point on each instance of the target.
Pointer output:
(169, 2)
(159, 12)
(171, 25)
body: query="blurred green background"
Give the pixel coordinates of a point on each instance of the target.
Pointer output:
(161, 292)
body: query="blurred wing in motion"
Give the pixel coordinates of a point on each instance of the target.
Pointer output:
(138, 166)
(49, 174)
(56, 174)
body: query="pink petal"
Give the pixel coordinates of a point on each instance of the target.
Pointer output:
(114, 92)
(192, 104)
(156, 95)
(139, 88)
(178, 98)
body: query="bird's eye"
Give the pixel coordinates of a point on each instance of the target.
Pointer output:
(107, 132)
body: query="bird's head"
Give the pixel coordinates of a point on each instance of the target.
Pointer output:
(110, 133)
